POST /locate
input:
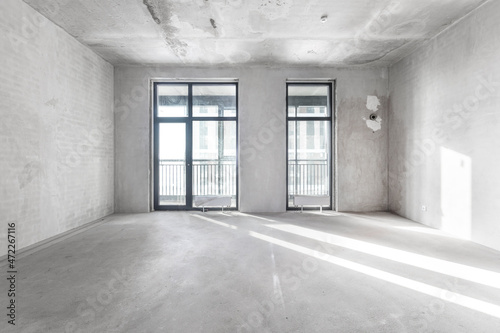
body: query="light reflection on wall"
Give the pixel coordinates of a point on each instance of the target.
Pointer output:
(456, 189)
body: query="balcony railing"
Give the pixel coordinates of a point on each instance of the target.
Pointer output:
(172, 178)
(210, 177)
(308, 177)
(214, 177)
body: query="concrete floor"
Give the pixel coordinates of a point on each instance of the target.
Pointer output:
(233, 272)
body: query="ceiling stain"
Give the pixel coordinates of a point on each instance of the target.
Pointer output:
(240, 57)
(275, 9)
(376, 53)
(235, 3)
(152, 11)
(408, 27)
(364, 59)
(53, 102)
(212, 22)
(161, 12)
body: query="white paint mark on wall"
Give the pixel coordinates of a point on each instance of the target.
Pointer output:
(372, 103)
(374, 125)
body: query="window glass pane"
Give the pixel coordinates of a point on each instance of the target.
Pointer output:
(229, 112)
(309, 100)
(309, 143)
(291, 140)
(312, 143)
(205, 140)
(312, 111)
(205, 110)
(308, 159)
(214, 100)
(172, 100)
(214, 159)
(172, 164)
(229, 141)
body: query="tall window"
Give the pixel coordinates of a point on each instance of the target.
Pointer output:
(195, 143)
(309, 141)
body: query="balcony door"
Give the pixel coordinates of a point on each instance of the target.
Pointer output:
(309, 143)
(195, 143)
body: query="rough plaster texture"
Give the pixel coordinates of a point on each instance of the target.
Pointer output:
(444, 130)
(56, 129)
(362, 153)
(253, 32)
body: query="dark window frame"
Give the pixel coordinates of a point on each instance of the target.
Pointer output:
(331, 119)
(188, 120)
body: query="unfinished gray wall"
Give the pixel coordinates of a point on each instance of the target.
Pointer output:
(362, 152)
(444, 128)
(56, 128)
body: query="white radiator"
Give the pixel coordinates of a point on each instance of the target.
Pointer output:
(212, 201)
(311, 200)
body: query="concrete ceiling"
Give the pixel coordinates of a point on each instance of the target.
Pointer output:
(254, 32)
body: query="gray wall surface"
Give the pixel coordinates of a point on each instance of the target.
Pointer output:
(362, 152)
(444, 130)
(56, 128)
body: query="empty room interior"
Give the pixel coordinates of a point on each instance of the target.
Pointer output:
(250, 166)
